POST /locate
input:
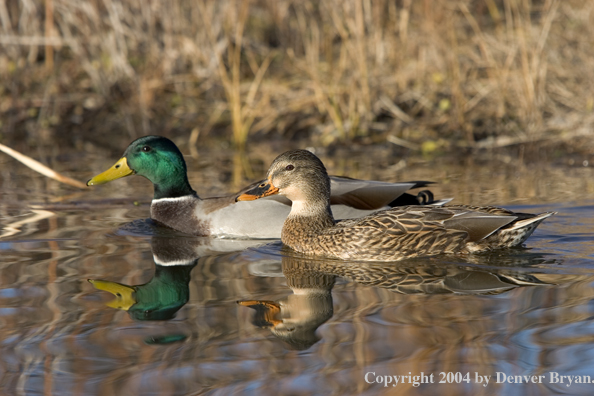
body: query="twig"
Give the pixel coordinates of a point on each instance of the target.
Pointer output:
(404, 143)
(39, 167)
(395, 110)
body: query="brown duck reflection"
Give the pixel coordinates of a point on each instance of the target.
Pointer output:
(294, 319)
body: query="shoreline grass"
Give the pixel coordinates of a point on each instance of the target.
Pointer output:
(434, 75)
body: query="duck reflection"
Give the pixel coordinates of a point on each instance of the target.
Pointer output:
(168, 290)
(294, 319)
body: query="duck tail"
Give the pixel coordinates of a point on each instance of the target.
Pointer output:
(424, 197)
(534, 221)
(519, 230)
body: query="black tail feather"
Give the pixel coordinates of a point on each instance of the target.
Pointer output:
(424, 197)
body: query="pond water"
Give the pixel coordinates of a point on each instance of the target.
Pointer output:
(200, 315)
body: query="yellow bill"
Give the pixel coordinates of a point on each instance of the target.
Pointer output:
(120, 169)
(124, 294)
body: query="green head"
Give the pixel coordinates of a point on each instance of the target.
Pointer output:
(156, 158)
(159, 299)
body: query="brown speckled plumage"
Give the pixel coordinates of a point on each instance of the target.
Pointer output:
(388, 235)
(408, 277)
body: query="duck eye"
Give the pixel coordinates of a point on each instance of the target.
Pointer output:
(290, 167)
(262, 185)
(146, 149)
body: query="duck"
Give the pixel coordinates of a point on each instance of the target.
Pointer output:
(387, 235)
(176, 205)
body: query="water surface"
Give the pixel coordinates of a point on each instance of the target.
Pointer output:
(200, 315)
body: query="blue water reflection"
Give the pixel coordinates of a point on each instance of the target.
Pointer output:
(166, 319)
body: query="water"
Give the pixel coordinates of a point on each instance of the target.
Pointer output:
(301, 326)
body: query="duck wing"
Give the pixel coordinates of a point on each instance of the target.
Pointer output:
(413, 231)
(393, 234)
(368, 194)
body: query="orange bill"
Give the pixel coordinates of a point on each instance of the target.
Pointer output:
(260, 191)
(267, 312)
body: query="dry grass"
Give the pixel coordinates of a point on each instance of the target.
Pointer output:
(428, 74)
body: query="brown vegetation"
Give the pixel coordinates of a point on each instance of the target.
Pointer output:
(421, 74)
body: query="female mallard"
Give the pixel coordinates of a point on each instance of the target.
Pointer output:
(176, 205)
(388, 235)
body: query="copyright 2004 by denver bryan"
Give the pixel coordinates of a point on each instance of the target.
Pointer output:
(416, 379)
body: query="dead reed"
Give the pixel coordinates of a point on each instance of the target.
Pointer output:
(427, 74)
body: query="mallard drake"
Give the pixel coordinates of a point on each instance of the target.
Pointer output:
(388, 235)
(176, 205)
